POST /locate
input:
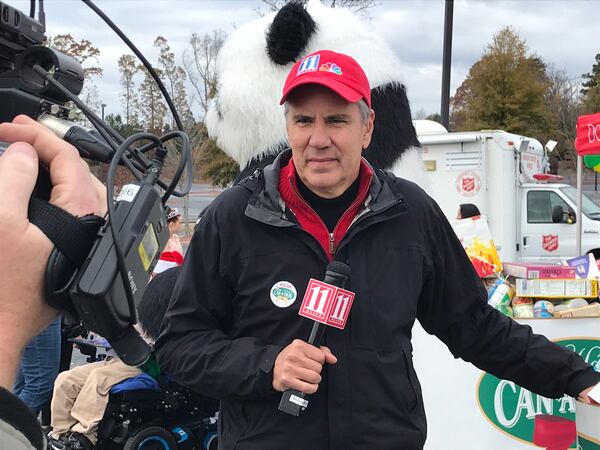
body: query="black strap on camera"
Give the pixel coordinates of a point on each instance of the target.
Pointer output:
(73, 238)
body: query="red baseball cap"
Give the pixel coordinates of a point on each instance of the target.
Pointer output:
(335, 71)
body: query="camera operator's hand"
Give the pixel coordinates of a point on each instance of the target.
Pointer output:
(24, 248)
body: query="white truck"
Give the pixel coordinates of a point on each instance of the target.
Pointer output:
(531, 215)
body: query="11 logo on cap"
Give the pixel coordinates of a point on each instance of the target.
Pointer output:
(310, 64)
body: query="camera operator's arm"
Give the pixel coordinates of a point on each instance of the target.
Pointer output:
(24, 248)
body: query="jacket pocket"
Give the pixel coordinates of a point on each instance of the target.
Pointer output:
(413, 382)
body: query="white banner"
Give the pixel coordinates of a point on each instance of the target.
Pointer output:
(470, 410)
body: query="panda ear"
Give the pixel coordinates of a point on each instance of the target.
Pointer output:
(289, 33)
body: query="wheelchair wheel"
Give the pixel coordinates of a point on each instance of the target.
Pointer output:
(211, 442)
(151, 438)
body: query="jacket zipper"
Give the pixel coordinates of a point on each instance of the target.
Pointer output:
(332, 248)
(331, 236)
(359, 215)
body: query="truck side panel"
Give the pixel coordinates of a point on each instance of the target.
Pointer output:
(455, 175)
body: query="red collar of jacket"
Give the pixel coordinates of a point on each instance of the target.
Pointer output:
(308, 219)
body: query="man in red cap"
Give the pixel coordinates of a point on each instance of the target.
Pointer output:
(232, 330)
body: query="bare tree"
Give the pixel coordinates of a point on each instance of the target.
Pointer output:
(174, 78)
(563, 102)
(128, 69)
(356, 6)
(83, 51)
(420, 114)
(200, 65)
(151, 108)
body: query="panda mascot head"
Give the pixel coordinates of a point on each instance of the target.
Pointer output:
(245, 117)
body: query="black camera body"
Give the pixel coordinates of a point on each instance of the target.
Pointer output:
(22, 91)
(104, 287)
(98, 293)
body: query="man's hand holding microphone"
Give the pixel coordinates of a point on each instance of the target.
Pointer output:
(298, 367)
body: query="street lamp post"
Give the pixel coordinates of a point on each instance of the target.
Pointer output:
(447, 61)
(103, 105)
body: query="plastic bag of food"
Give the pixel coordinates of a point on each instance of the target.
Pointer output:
(475, 236)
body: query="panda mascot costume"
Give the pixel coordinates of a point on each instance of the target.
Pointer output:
(245, 117)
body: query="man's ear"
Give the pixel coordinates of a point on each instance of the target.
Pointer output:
(368, 134)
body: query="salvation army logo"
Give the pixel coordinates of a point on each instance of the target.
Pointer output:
(468, 183)
(283, 294)
(550, 242)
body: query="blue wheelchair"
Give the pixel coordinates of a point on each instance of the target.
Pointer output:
(169, 419)
(158, 416)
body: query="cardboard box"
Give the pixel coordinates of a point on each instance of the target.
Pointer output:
(557, 288)
(588, 431)
(543, 271)
(592, 310)
(585, 266)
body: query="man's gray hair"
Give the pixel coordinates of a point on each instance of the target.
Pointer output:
(363, 110)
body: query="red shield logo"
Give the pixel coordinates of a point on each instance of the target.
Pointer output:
(550, 242)
(468, 184)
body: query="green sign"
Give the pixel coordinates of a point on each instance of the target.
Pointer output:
(585, 444)
(513, 409)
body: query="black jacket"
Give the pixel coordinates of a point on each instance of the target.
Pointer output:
(222, 332)
(19, 428)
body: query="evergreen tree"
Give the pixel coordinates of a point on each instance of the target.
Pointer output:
(216, 165)
(209, 161)
(590, 90)
(592, 78)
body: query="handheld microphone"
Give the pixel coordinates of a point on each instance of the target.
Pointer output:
(327, 303)
(89, 142)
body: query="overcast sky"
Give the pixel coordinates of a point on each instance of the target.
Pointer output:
(563, 32)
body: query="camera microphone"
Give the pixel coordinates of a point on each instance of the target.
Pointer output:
(326, 303)
(89, 143)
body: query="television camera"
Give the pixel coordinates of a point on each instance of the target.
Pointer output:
(99, 267)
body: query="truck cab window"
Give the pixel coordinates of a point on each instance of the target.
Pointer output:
(589, 207)
(540, 205)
